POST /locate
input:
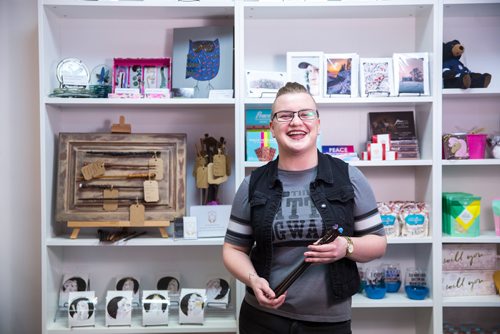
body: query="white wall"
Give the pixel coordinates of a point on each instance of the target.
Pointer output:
(19, 169)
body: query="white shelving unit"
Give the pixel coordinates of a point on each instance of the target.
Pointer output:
(97, 31)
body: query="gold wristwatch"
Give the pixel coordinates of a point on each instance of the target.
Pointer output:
(350, 246)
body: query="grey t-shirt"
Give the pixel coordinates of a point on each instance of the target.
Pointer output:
(298, 224)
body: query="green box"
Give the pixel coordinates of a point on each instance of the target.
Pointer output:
(461, 214)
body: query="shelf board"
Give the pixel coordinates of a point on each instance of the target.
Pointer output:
(362, 163)
(143, 241)
(335, 9)
(472, 301)
(96, 102)
(486, 237)
(404, 240)
(471, 93)
(467, 8)
(472, 162)
(213, 324)
(353, 101)
(140, 10)
(390, 300)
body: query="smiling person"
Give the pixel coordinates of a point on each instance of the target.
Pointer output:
(281, 209)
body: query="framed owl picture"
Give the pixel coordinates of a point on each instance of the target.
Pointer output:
(203, 59)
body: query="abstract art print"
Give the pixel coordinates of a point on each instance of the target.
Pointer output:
(376, 77)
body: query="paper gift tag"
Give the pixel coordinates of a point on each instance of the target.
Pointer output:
(151, 193)
(92, 170)
(211, 178)
(202, 178)
(219, 165)
(156, 167)
(110, 199)
(199, 162)
(137, 212)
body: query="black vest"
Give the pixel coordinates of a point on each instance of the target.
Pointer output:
(332, 194)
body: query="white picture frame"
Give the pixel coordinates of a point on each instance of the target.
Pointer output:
(192, 304)
(119, 308)
(376, 77)
(75, 282)
(170, 282)
(340, 74)
(81, 308)
(218, 291)
(155, 307)
(306, 68)
(411, 73)
(264, 83)
(211, 220)
(129, 283)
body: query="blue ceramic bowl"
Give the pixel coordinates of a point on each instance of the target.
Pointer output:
(375, 292)
(416, 292)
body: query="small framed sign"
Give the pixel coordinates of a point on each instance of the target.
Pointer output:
(211, 220)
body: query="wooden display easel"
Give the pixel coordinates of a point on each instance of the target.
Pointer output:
(77, 225)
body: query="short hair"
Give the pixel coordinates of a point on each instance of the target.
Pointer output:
(163, 282)
(119, 285)
(81, 284)
(147, 305)
(112, 306)
(290, 88)
(72, 308)
(224, 288)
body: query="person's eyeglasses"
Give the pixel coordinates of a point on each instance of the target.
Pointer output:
(287, 116)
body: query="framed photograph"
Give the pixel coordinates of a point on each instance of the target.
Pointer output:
(119, 308)
(192, 306)
(155, 305)
(218, 291)
(212, 220)
(72, 283)
(170, 282)
(377, 77)
(93, 165)
(306, 68)
(340, 75)
(82, 308)
(411, 71)
(129, 283)
(264, 83)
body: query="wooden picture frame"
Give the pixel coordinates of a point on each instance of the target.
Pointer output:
(341, 75)
(306, 68)
(159, 158)
(376, 77)
(411, 73)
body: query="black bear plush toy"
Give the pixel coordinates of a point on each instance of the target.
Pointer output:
(456, 74)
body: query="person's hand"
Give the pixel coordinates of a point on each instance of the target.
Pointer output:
(326, 253)
(264, 294)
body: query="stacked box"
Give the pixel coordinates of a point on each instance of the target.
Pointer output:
(461, 214)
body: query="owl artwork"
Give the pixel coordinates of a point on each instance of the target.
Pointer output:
(203, 60)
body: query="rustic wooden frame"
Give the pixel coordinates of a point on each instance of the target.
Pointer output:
(74, 152)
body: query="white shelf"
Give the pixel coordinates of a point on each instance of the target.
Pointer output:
(486, 237)
(472, 301)
(407, 101)
(213, 324)
(472, 162)
(96, 102)
(390, 300)
(362, 163)
(140, 241)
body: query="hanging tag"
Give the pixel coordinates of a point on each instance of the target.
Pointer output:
(199, 162)
(202, 178)
(110, 199)
(211, 178)
(137, 212)
(156, 167)
(151, 193)
(219, 165)
(92, 170)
